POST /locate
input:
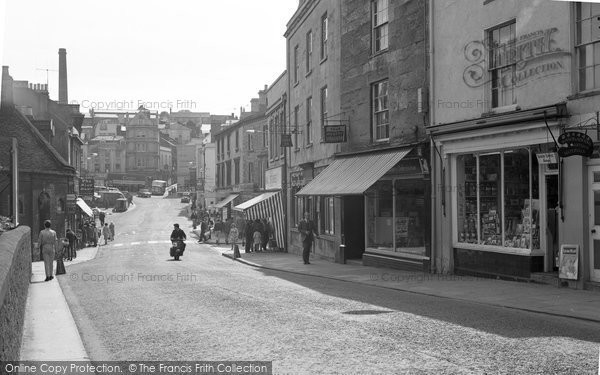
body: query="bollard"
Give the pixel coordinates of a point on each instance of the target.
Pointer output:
(342, 254)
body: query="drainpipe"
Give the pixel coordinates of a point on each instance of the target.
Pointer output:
(433, 149)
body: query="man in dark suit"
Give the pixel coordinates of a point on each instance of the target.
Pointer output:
(308, 231)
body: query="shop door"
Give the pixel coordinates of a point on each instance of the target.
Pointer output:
(594, 181)
(354, 226)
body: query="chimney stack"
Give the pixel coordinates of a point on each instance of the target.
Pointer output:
(7, 102)
(63, 96)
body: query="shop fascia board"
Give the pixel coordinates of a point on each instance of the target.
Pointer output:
(514, 135)
(551, 112)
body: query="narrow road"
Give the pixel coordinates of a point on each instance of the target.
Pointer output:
(134, 303)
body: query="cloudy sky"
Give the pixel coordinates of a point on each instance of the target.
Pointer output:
(200, 55)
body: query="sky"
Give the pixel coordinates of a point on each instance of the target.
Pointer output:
(202, 55)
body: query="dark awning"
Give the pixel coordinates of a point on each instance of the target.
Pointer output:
(353, 175)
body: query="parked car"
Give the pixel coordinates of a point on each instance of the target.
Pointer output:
(144, 193)
(185, 199)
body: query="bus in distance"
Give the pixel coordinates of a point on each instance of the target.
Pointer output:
(158, 187)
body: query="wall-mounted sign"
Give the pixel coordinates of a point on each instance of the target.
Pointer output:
(575, 143)
(273, 178)
(334, 134)
(569, 262)
(535, 55)
(547, 158)
(286, 140)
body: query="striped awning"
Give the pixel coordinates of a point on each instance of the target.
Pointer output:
(353, 175)
(265, 206)
(84, 207)
(225, 201)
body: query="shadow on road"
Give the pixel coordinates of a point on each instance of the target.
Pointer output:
(494, 320)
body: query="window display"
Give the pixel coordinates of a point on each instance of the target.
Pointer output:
(410, 216)
(379, 206)
(498, 200)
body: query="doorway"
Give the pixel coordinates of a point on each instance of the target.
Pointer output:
(354, 226)
(552, 219)
(594, 217)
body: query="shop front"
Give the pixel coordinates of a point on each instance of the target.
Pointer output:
(504, 196)
(384, 202)
(224, 206)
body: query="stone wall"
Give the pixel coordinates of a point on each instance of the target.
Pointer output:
(15, 274)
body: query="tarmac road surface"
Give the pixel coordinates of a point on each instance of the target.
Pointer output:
(133, 302)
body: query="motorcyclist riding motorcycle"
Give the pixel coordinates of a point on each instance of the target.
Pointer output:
(177, 237)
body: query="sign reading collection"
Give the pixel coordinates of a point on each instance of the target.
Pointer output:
(575, 143)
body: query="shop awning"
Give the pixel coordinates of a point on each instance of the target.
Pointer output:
(353, 175)
(265, 206)
(225, 201)
(84, 207)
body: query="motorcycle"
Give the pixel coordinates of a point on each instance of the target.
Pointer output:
(177, 248)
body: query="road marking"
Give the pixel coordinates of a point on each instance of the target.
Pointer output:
(153, 241)
(135, 243)
(118, 244)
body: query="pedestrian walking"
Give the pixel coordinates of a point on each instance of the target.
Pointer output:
(308, 231)
(226, 228)
(48, 242)
(266, 234)
(105, 233)
(102, 215)
(111, 226)
(258, 229)
(249, 234)
(233, 238)
(203, 230)
(71, 251)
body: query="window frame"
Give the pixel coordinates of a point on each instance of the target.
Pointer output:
(581, 46)
(296, 124)
(492, 70)
(376, 27)
(374, 112)
(309, 139)
(323, 94)
(296, 65)
(309, 51)
(324, 36)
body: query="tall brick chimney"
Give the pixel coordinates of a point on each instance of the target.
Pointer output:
(7, 101)
(63, 95)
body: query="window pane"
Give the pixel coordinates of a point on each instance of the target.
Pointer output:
(490, 205)
(597, 76)
(411, 214)
(585, 31)
(467, 198)
(516, 198)
(379, 215)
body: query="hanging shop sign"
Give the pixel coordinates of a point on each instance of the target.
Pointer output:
(273, 178)
(569, 262)
(286, 140)
(575, 143)
(334, 133)
(547, 158)
(86, 187)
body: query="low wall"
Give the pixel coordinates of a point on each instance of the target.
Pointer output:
(15, 275)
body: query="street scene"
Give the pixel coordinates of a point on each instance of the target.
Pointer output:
(300, 187)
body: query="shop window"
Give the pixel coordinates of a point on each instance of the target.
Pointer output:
(379, 206)
(60, 206)
(327, 215)
(498, 199)
(304, 204)
(411, 213)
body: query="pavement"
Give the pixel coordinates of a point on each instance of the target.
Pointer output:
(525, 296)
(50, 332)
